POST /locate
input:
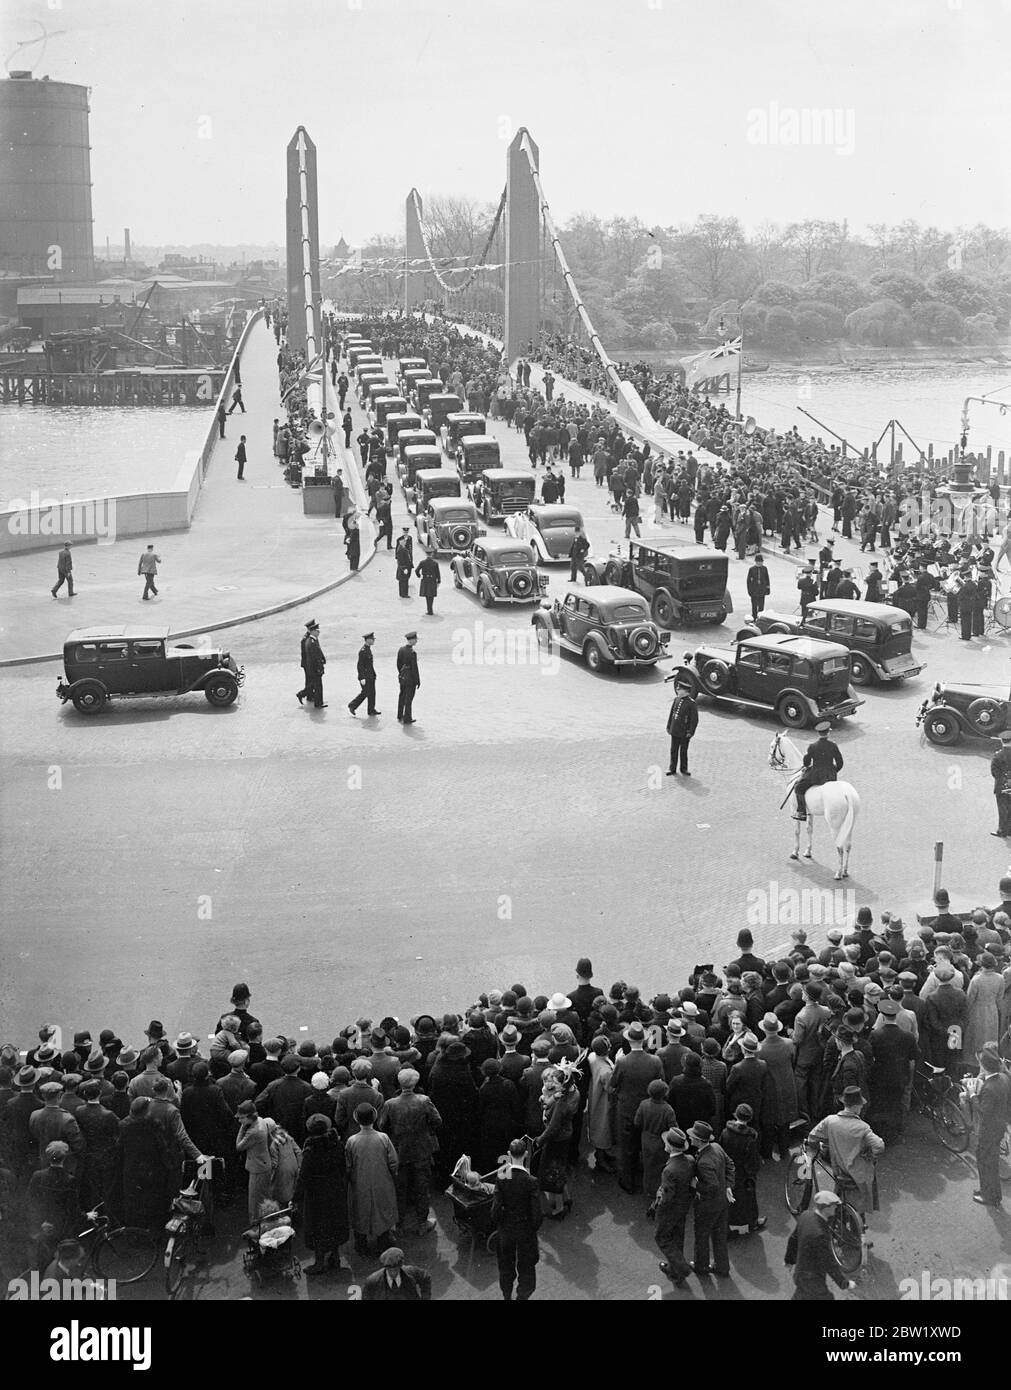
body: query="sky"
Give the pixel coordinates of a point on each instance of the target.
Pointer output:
(661, 109)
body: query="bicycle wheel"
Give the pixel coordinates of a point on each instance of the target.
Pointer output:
(951, 1126)
(847, 1236)
(126, 1254)
(177, 1254)
(798, 1184)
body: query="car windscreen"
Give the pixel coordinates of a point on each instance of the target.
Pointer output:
(552, 523)
(510, 557)
(452, 514)
(627, 613)
(833, 666)
(900, 626)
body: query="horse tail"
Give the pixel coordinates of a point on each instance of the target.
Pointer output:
(845, 832)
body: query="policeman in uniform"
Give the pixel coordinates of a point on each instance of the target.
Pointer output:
(578, 552)
(968, 599)
(682, 722)
(313, 664)
(404, 556)
(407, 675)
(1000, 771)
(822, 763)
(807, 583)
(366, 677)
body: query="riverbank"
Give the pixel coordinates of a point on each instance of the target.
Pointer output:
(843, 356)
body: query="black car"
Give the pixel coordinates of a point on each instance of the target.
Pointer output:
(952, 710)
(102, 662)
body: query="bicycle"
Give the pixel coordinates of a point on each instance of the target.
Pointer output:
(935, 1094)
(124, 1253)
(846, 1225)
(190, 1216)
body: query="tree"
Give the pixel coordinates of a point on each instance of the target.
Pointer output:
(725, 314)
(815, 244)
(896, 284)
(981, 330)
(712, 245)
(833, 323)
(658, 336)
(457, 227)
(938, 322)
(844, 291)
(777, 292)
(883, 324)
(779, 327)
(966, 293)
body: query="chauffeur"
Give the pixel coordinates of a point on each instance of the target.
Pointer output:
(822, 763)
(366, 677)
(409, 678)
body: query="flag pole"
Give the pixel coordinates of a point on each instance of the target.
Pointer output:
(737, 408)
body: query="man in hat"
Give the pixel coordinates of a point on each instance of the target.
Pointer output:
(20, 1138)
(396, 1281)
(682, 722)
(714, 1191)
(187, 1056)
(366, 677)
(895, 1054)
(968, 598)
(95, 1069)
(633, 1071)
(807, 585)
(431, 577)
(313, 664)
(408, 677)
(52, 1122)
(1000, 771)
(809, 1046)
(874, 582)
(53, 1201)
(673, 1054)
(993, 1105)
(759, 585)
(413, 1124)
(517, 1215)
(822, 763)
(853, 1148)
(924, 584)
(404, 557)
(674, 1200)
(148, 567)
(809, 1251)
(64, 571)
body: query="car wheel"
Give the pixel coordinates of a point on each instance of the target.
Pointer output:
(485, 594)
(89, 697)
(593, 656)
(715, 677)
(777, 627)
(942, 728)
(590, 576)
(222, 691)
(986, 715)
(861, 671)
(460, 537)
(663, 610)
(747, 632)
(792, 712)
(521, 585)
(643, 642)
(612, 572)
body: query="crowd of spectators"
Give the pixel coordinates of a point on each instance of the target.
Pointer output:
(357, 1130)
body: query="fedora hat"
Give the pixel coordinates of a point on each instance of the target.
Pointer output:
(771, 1024)
(186, 1043)
(26, 1078)
(95, 1065)
(558, 1002)
(701, 1131)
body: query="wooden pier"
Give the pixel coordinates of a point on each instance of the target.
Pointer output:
(139, 386)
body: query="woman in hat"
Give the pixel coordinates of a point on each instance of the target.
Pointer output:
(739, 1141)
(454, 1094)
(600, 1121)
(733, 1048)
(499, 1114)
(321, 1193)
(692, 1097)
(654, 1117)
(559, 1106)
(985, 996)
(372, 1169)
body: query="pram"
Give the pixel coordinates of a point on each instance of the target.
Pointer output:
(270, 1249)
(472, 1203)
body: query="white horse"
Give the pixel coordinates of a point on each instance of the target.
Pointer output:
(838, 802)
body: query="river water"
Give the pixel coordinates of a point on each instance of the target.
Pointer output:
(73, 451)
(77, 451)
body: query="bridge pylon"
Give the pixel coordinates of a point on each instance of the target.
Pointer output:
(522, 246)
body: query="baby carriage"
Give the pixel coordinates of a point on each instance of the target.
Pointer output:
(270, 1248)
(472, 1196)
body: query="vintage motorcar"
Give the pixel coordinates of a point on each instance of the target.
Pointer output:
(369, 366)
(102, 662)
(416, 456)
(499, 570)
(475, 453)
(408, 439)
(372, 378)
(880, 638)
(400, 420)
(424, 389)
(504, 492)
(950, 711)
(435, 482)
(387, 406)
(381, 390)
(684, 583)
(605, 625)
(802, 679)
(410, 378)
(357, 353)
(405, 364)
(440, 405)
(447, 523)
(548, 527)
(458, 424)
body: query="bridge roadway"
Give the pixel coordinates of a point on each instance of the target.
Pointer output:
(153, 855)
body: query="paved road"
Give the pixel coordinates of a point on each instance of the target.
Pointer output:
(156, 853)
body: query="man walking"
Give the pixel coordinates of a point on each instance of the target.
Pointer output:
(673, 1203)
(516, 1212)
(237, 399)
(682, 723)
(313, 664)
(1000, 771)
(342, 390)
(240, 458)
(759, 585)
(404, 557)
(408, 677)
(367, 681)
(714, 1191)
(809, 1251)
(578, 552)
(64, 571)
(148, 567)
(431, 577)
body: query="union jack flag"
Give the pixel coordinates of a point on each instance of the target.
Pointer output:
(730, 348)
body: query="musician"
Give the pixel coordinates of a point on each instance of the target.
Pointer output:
(950, 584)
(968, 602)
(925, 583)
(1000, 770)
(822, 763)
(905, 596)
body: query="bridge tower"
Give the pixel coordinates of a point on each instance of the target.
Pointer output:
(522, 246)
(302, 229)
(416, 280)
